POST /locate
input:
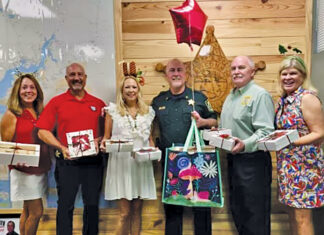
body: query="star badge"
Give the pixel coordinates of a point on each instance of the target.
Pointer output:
(191, 102)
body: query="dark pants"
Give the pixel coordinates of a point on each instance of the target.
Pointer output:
(174, 214)
(68, 179)
(173, 217)
(249, 177)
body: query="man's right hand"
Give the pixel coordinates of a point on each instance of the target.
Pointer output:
(66, 153)
(239, 146)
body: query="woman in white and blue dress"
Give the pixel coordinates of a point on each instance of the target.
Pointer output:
(127, 180)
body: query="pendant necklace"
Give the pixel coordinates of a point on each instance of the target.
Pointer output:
(134, 127)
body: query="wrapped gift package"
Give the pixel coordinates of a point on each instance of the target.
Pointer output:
(223, 141)
(81, 143)
(208, 134)
(278, 140)
(119, 145)
(192, 150)
(13, 153)
(147, 154)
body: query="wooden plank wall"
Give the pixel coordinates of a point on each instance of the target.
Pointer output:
(144, 33)
(244, 27)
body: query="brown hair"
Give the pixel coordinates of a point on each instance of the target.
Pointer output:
(14, 102)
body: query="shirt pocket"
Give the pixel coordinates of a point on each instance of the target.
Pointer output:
(186, 114)
(164, 117)
(243, 113)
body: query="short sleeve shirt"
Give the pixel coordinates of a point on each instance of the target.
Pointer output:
(173, 113)
(68, 114)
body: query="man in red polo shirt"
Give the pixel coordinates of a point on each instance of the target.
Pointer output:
(74, 110)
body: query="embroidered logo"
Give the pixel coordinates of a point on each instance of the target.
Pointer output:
(246, 100)
(93, 108)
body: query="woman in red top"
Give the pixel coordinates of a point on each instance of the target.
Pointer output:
(27, 184)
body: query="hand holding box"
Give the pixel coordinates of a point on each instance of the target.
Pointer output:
(16, 153)
(147, 154)
(278, 140)
(208, 134)
(81, 143)
(223, 141)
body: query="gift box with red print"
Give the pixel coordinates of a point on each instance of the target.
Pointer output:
(119, 145)
(147, 154)
(81, 143)
(13, 153)
(223, 141)
(277, 140)
(208, 134)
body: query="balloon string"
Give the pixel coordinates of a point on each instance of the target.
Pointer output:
(191, 67)
(193, 85)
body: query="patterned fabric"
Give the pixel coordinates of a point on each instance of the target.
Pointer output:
(300, 169)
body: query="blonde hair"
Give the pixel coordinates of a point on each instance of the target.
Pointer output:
(14, 102)
(299, 64)
(121, 105)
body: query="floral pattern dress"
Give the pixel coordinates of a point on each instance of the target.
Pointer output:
(126, 177)
(300, 169)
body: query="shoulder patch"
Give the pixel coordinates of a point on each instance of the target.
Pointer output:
(210, 108)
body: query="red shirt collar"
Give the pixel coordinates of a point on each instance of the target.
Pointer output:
(69, 94)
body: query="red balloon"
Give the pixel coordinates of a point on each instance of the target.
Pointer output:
(189, 22)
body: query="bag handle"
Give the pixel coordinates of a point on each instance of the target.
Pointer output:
(194, 134)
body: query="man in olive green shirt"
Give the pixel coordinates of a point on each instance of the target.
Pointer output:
(249, 112)
(174, 109)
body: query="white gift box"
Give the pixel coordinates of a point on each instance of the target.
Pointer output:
(13, 153)
(119, 145)
(147, 154)
(81, 143)
(208, 134)
(223, 141)
(193, 149)
(278, 140)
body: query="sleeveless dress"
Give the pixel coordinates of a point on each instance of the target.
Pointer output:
(28, 183)
(300, 169)
(127, 178)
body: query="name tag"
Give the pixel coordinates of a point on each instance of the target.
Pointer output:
(162, 108)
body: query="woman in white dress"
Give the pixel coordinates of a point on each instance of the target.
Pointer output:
(127, 180)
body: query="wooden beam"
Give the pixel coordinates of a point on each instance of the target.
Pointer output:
(118, 39)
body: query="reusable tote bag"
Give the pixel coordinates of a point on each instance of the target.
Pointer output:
(192, 175)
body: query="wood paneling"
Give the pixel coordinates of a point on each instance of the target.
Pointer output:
(137, 49)
(229, 28)
(159, 10)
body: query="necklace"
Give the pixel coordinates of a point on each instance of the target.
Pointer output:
(134, 127)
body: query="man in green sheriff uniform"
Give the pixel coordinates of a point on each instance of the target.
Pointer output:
(249, 112)
(174, 109)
